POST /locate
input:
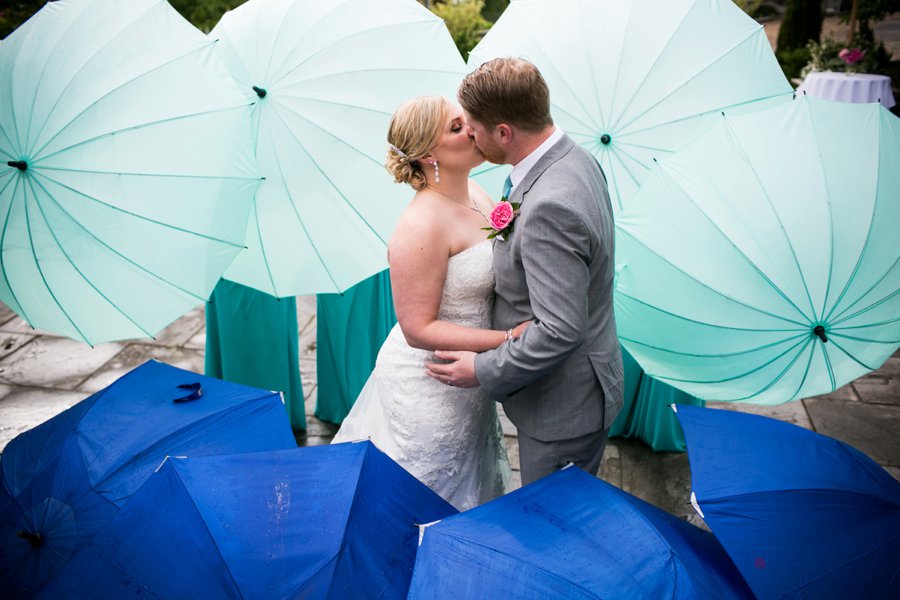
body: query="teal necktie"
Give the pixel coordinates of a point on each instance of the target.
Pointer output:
(507, 187)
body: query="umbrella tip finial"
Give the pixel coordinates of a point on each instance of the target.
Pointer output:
(261, 92)
(19, 164)
(605, 139)
(819, 331)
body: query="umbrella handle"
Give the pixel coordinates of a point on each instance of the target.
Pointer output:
(196, 392)
(35, 539)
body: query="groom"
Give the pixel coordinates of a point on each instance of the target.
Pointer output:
(561, 381)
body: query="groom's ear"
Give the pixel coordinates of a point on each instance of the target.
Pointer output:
(504, 133)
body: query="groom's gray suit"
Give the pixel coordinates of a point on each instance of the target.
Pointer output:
(562, 379)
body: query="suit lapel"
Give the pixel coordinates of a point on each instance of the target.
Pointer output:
(556, 151)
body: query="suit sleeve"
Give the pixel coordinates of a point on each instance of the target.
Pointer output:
(555, 256)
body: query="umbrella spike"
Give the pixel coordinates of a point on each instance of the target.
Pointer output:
(819, 330)
(19, 164)
(261, 92)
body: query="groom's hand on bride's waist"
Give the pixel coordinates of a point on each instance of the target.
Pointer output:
(459, 372)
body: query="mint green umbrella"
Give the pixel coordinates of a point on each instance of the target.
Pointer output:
(326, 77)
(126, 176)
(633, 80)
(761, 263)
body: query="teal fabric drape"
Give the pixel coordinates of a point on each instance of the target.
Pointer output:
(350, 330)
(647, 414)
(252, 338)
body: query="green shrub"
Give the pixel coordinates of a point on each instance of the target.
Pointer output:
(793, 61)
(464, 21)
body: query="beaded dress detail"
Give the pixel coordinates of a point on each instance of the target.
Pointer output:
(449, 438)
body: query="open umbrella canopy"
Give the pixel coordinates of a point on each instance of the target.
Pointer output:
(633, 80)
(803, 515)
(333, 521)
(571, 535)
(761, 263)
(126, 175)
(325, 78)
(61, 481)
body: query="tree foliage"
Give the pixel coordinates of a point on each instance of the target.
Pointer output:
(802, 22)
(16, 12)
(464, 21)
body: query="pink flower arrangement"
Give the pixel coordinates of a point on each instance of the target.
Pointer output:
(501, 220)
(851, 55)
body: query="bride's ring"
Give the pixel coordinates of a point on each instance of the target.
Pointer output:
(450, 383)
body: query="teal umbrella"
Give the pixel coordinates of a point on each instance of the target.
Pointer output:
(633, 80)
(325, 78)
(126, 176)
(762, 263)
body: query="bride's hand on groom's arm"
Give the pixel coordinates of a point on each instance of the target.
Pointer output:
(520, 328)
(458, 373)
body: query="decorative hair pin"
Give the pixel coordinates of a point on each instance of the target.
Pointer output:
(399, 151)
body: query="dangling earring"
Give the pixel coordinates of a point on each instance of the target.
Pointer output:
(437, 174)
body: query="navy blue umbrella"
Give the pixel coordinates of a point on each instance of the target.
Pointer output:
(335, 521)
(801, 514)
(61, 481)
(571, 535)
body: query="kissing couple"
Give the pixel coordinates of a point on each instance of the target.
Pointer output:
(524, 318)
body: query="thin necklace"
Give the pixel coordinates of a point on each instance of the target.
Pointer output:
(474, 206)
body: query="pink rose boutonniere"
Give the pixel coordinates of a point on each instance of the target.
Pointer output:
(501, 220)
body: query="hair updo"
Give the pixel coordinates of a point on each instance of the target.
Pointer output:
(413, 133)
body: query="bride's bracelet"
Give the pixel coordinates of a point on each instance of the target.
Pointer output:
(509, 334)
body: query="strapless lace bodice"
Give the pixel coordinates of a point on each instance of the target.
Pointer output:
(449, 438)
(468, 294)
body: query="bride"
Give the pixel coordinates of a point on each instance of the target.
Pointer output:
(442, 282)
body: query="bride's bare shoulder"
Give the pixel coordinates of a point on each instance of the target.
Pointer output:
(477, 193)
(421, 224)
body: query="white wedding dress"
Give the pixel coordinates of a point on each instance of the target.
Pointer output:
(449, 438)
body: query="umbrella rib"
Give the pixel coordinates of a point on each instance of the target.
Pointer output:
(325, 175)
(639, 163)
(300, 220)
(860, 258)
(850, 356)
(9, 142)
(12, 291)
(615, 181)
(330, 134)
(728, 327)
(86, 280)
(378, 70)
(136, 215)
(693, 116)
(74, 76)
(135, 128)
(585, 35)
(262, 248)
(750, 372)
(781, 227)
(37, 263)
(160, 175)
(719, 354)
(812, 352)
(336, 43)
(838, 321)
(710, 288)
(860, 339)
(699, 72)
(562, 80)
(110, 248)
(867, 325)
(559, 109)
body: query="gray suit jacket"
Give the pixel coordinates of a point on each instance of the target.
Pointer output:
(563, 377)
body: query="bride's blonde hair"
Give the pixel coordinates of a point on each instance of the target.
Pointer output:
(414, 132)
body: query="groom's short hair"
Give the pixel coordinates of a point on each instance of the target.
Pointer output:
(507, 90)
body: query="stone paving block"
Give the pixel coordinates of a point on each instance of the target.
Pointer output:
(312, 440)
(134, 355)
(198, 341)
(895, 471)
(182, 330)
(18, 325)
(512, 451)
(315, 427)
(891, 367)
(10, 342)
(842, 393)
(26, 408)
(870, 428)
(6, 313)
(55, 362)
(878, 390)
(6, 390)
(515, 481)
(661, 478)
(307, 340)
(505, 423)
(309, 404)
(611, 467)
(792, 412)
